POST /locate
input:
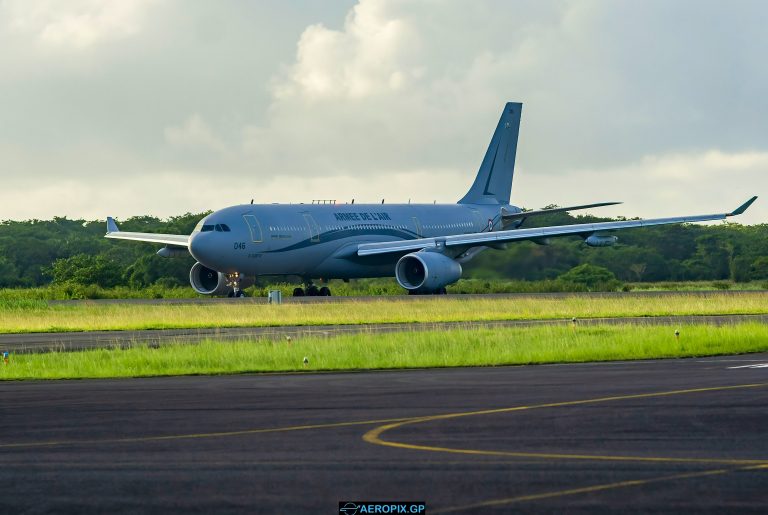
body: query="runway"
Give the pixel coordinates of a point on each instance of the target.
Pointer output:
(72, 341)
(664, 436)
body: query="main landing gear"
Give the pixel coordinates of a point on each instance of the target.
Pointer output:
(312, 291)
(441, 291)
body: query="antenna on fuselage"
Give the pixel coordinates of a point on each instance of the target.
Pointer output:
(382, 201)
(353, 201)
(251, 201)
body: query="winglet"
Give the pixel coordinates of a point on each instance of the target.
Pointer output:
(111, 225)
(739, 210)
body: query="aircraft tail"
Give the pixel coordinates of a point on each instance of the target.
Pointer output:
(493, 184)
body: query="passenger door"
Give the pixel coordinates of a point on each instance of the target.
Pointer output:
(255, 227)
(417, 227)
(314, 229)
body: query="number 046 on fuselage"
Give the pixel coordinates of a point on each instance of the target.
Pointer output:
(421, 245)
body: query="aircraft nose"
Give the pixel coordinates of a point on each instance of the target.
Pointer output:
(197, 247)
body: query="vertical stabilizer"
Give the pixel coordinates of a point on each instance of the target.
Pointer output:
(493, 184)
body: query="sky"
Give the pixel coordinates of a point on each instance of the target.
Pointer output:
(162, 107)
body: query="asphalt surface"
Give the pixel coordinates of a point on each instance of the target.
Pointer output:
(654, 436)
(72, 341)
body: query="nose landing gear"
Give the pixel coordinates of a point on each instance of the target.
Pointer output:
(233, 281)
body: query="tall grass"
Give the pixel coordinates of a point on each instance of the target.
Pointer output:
(90, 317)
(476, 347)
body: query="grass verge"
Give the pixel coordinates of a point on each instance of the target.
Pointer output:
(481, 347)
(92, 317)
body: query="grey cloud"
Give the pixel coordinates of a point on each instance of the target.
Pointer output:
(246, 92)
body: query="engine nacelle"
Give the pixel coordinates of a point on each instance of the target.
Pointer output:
(207, 281)
(426, 271)
(601, 240)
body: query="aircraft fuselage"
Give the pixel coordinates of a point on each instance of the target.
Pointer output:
(321, 240)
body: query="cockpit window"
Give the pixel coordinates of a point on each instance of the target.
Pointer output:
(206, 228)
(225, 227)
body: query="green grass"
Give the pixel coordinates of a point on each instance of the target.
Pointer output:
(40, 317)
(359, 287)
(482, 347)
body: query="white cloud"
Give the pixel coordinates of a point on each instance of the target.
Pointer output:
(172, 192)
(674, 184)
(375, 53)
(75, 23)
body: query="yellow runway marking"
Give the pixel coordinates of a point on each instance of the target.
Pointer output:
(374, 436)
(198, 435)
(593, 488)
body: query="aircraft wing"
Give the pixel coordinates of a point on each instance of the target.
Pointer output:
(176, 240)
(498, 237)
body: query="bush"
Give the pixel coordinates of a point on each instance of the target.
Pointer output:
(594, 278)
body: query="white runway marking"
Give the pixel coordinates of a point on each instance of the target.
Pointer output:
(754, 365)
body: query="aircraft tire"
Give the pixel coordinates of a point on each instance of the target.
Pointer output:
(298, 292)
(325, 291)
(312, 291)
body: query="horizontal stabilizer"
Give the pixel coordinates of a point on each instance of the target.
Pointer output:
(507, 216)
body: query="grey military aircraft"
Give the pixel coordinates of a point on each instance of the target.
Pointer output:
(422, 245)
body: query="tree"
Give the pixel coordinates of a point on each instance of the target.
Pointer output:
(86, 270)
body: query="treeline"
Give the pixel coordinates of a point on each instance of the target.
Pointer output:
(36, 253)
(40, 252)
(686, 252)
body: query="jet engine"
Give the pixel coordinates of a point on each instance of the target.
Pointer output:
(207, 281)
(601, 240)
(426, 271)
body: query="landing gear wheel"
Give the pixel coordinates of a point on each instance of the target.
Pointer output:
(442, 291)
(240, 293)
(298, 292)
(325, 291)
(231, 293)
(312, 291)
